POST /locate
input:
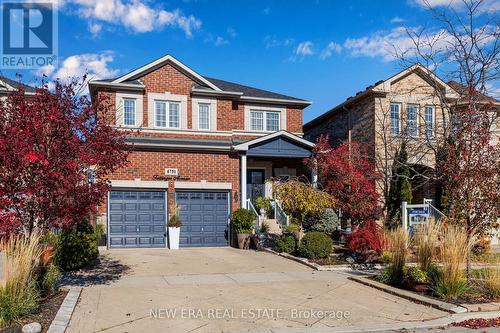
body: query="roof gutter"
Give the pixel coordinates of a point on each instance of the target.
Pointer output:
(124, 86)
(215, 93)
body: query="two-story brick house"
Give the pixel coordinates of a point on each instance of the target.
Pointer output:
(204, 144)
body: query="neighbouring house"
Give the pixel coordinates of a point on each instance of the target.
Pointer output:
(8, 85)
(410, 106)
(204, 144)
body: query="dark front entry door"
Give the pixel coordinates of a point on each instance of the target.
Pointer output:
(204, 218)
(255, 184)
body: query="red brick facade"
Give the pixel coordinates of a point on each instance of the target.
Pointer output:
(219, 167)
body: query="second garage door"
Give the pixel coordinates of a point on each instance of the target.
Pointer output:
(204, 217)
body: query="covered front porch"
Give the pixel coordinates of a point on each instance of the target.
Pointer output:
(273, 158)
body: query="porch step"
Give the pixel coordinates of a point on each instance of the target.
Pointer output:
(274, 226)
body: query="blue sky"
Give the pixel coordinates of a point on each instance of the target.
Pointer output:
(323, 51)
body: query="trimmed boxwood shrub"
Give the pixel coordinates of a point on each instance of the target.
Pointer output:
(243, 221)
(286, 243)
(316, 245)
(326, 221)
(77, 247)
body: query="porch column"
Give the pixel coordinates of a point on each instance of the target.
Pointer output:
(314, 174)
(243, 183)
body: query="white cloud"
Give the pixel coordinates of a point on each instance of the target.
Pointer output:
(493, 90)
(272, 41)
(231, 32)
(305, 49)
(397, 41)
(397, 19)
(95, 29)
(491, 6)
(329, 50)
(95, 65)
(136, 15)
(220, 41)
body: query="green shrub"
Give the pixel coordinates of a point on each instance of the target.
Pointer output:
(48, 277)
(15, 303)
(77, 247)
(414, 275)
(292, 229)
(243, 221)
(316, 245)
(450, 289)
(326, 221)
(286, 243)
(263, 203)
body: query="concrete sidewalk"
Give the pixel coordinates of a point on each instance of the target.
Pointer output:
(230, 290)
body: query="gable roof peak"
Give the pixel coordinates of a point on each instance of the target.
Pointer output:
(160, 62)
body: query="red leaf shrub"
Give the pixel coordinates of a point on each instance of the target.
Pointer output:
(347, 173)
(366, 238)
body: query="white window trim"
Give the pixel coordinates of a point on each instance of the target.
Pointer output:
(399, 118)
(167, 114)
(199, 117)
(433, 107)
(167, 97)
(416, 135)
(213, 113)
(264, 109)
(120, 111)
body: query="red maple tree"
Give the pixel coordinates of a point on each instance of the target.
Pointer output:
(347, 173)
(54, 157)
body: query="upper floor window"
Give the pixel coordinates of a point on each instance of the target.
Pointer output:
(395, 118)
(204, 116)
(174, 115)
(264, 121)
(129, 111)
(429, 121)
(412, 119)
(167, 114)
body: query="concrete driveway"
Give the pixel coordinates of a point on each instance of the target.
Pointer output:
(225, 290)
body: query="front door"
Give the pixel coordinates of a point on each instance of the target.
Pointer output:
(255, 184)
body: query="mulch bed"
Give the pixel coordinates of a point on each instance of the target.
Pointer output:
(478, 323)
(48, 310)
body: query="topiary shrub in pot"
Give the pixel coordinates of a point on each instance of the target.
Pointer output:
(174, 229)
(77, 247)
(315, 245)
(326, 221)
(263, 205)
(286, 243)
(242, 223)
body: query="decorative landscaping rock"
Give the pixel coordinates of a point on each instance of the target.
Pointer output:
(350, 260)
(32, 328)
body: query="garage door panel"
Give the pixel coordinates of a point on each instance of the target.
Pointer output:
(116, 229)
(118, 206)
(116, 241)
(116, 217)
(204, 217)
(137, 219)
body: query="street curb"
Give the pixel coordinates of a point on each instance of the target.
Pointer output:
(440, 305)
(432, 323)
(63, 316)
(303, 261)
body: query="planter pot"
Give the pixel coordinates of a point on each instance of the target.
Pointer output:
(420, 286)
(243, 241)
(173, 237)
(47, 254)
